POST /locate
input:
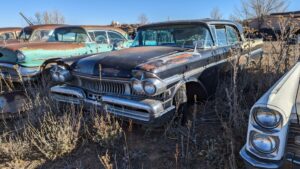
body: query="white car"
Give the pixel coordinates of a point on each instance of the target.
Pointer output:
(273, 138)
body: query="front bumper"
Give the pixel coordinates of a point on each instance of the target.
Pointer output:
(18, 73)
(146, 111)
(253, 162)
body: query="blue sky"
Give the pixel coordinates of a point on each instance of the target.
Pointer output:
(124, 11)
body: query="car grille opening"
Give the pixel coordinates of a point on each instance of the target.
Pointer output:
(109, 87)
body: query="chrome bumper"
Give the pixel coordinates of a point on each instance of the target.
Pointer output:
(16, 72)
(146, 110)
(253, 162)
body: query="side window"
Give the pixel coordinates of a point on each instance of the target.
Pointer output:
(99, 36)
(115, 37)
(7, 36)
(232, 35)
(221, 35)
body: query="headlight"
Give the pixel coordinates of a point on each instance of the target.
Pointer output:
(137, 86)
(263, 143)
(149, 88)
(20, 57)
(267, 118)
(60, 73)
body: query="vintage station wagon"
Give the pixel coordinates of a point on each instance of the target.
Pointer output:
(168, 65)
(25, 59)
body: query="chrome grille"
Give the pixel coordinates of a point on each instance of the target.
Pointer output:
(292, 147)
(110, 87)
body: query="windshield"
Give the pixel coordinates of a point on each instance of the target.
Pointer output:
(69, 35)
(185, 36)
(40, 35)
(25, 34)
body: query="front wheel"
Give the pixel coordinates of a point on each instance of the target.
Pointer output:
(181, 104)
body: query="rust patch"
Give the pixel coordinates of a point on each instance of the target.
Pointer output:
(183, 58)
(149, 66)
(45, 46)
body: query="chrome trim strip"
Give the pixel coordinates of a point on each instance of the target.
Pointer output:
(151, 106)
(74, 91)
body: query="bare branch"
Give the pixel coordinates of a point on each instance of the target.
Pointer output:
(215, 13)
(143, 19)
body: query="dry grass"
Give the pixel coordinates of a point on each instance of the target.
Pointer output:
(106, 130)
(55, 136)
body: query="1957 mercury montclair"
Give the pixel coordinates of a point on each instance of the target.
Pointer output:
(169, 64)
(273, 139)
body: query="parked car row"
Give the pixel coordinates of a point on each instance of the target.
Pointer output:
(164, 68)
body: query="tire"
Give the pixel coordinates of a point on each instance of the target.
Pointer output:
(181, 104)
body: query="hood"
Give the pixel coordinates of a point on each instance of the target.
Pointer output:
(121, 63)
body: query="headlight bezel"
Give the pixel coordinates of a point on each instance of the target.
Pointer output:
(258, 122)
(273, 140)
(148, 83)
(137, 86)
(20, 57)
(142, 79)
(60, 73)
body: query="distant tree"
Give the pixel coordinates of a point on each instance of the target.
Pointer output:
(143, 19)
(215, 13)
(49, 17)
(259, 9)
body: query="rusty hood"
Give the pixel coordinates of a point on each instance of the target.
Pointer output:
(121, 63)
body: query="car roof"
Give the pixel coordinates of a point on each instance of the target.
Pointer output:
(43, 26)
(98, 27)
(8, 29)
(195, 21)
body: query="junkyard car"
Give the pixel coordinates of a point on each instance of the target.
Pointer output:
(167, 60)
(25, 59)
(273, 139)
(33, 33)
(9, 34)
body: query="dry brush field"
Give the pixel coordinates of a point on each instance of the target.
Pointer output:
(47, 137)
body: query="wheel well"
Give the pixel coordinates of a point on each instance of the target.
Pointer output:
(195, 92)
